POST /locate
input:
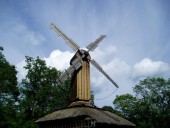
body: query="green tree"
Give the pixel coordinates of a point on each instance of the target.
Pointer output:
(125, 106)
(40, 93)
(151, 106)
(153, 96)
(8, 93)
(108, 108)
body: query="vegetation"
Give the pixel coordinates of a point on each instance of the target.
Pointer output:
(37, 95)
(150, 107)
(9, 93)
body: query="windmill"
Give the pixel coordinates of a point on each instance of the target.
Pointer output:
(79, 69)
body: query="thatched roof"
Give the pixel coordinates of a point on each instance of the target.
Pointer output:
(83, 109)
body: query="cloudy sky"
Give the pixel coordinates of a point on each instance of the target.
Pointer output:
(137, 43)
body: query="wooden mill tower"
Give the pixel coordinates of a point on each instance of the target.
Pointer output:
(80, 81)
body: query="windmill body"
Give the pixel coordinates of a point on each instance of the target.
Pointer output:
(79, 69)
(80, 80)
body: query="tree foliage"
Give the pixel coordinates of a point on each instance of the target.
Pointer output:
(108, 108)
(8, 93)
(37, 95)
(154, 101)
(125, 106)
(151, 105)
(40, 93)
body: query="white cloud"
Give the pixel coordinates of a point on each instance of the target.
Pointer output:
(147, 67)
(117, 67)
(59, 59)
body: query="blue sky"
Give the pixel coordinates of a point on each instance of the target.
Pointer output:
(137, 43)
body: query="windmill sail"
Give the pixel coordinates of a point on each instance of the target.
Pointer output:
(72, 44)
(93, 45)
(95, 64)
